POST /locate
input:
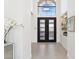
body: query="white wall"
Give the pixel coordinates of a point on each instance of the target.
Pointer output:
(20, 11)
(64, 6)
(58, 14)
(34, 28)
(27, 30)
(71, 35)
(34, 23)
(69, 44)
(63, 39)
(71, 8)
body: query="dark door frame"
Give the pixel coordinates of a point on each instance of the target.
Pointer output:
(47, 31)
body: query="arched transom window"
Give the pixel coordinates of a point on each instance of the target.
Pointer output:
(47, 9)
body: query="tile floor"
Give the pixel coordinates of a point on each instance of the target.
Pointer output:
(48, 51)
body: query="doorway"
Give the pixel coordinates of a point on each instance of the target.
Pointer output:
(46, 29)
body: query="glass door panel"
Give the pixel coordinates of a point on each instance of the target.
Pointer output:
(42, 29)
(42, 38)
(42, 25)
(42, 21)
(42, 35)
(51, 29)
(51, 21)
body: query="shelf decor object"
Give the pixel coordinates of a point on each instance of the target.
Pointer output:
(64, 24)
(71, 24)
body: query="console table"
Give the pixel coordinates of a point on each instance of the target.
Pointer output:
(8, 51)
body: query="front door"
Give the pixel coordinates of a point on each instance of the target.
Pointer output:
(46, 29)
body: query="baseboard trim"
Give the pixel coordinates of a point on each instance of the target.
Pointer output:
(63, 47)
(69, 56)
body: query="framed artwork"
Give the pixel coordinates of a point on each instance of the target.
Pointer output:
(71, 24)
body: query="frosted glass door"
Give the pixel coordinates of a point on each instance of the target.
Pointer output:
(46, 29)
(51, 29)
(42, 29)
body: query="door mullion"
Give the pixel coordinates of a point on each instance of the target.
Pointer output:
(54, 29)
(46, 30)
